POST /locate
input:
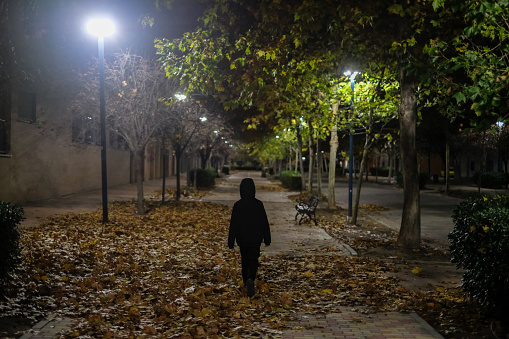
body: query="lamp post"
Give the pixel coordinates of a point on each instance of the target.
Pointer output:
(350, 152)
(102, 28)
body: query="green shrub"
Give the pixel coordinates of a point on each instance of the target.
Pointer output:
(490, 179)
(291, 180)
(226, 169)
(382, 171)
(204, 177)
(423, 179)
(479, 245)
(10, 253)
(212, 172)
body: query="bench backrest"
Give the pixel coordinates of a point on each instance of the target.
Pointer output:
(313, 201)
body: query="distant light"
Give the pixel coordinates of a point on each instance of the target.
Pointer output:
(180, 96)
(277, 136)
(101, 27)
(500, 124)
(203, 119)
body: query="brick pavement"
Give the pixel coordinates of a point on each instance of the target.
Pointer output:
(294, 239)
(52, 327)
(354, 324)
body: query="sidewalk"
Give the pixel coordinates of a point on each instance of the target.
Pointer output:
(288, 238)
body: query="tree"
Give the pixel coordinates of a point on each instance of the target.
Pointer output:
(182, 120)
(253, 55)
(376, 100)
(479, 51)
(134, 87)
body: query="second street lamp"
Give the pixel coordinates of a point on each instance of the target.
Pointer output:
(350, 152)
(102, 28)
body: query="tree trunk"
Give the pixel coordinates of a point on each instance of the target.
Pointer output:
(332, 157)
(367, 143)
(195, 162)
(164, 170)
(178, 155)
(359, 182)
(311, 161)
(389, 176)
(410, 231)
(319, 161)
(300, 162)
(506, 176)
(447, 150)
(138, 168)
(484, 156)
(296, 159)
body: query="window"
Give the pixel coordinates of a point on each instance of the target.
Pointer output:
(26, 105)
(5, 119)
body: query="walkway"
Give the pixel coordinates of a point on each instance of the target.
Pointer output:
(288, 238)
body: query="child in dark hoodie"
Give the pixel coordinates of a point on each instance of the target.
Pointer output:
(250, 227)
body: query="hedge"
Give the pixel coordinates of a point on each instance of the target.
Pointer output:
(479, 245)
(10, 252)
(291, 180)
(490, 179)
(204, 177)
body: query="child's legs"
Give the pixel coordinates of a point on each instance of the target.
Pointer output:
(249, 255)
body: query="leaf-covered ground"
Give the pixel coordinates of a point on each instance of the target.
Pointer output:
(170, 274)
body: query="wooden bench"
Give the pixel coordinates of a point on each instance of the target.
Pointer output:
(307, 209)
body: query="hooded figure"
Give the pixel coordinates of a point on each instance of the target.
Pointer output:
(249, 226)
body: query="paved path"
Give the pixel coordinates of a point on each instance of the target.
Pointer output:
(288, 237)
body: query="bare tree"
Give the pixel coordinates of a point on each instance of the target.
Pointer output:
(134, 108)
(183, 119)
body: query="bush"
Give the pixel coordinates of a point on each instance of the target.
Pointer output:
(291, 180)
(204, 177)
(490, 179)
(479, 245)
(226, 170)
(212, 172)
(382, 171)
(10, 253)
(423, 179)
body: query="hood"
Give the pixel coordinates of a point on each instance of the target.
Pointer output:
(247, 189)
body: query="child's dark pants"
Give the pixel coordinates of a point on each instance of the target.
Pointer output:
(249, 255)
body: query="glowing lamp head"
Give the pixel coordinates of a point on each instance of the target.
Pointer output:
(101, 27)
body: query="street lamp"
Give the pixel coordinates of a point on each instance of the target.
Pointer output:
(350, 153)
(102, 28)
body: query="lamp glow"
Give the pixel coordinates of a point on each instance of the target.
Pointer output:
(101, 27)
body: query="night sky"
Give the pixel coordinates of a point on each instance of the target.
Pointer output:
(63, 24)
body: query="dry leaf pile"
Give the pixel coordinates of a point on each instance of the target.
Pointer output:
(170, 274)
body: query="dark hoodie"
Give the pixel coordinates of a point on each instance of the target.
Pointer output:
(249, 224)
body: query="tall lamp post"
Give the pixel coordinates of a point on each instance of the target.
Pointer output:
(102, 28)
(350, 152)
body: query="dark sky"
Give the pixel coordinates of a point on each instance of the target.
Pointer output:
(64, 23)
